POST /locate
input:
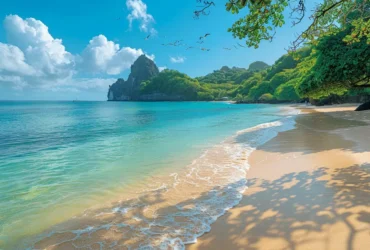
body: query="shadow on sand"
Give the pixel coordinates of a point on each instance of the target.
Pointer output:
(295, 209)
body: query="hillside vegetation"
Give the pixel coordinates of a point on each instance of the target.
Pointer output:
(331, 69)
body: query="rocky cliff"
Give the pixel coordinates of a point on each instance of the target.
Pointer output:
(143, 69)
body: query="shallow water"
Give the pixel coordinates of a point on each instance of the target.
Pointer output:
(58, 159)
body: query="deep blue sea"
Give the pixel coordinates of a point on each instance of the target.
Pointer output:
(58, 159)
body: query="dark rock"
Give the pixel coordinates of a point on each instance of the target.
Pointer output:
(335, 99)
(362, 107)
(117, 91)
(143, 69)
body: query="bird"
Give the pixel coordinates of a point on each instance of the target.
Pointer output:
(146, 38)
(235, 47)
(178, 42)
(204, 49)
(227, 48)
(241, 45)
(206, 35)
(200, 42)
(200, 38)
(191, 47)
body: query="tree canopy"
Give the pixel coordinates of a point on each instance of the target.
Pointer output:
(334, 50)
(265, 16)
(338, 67)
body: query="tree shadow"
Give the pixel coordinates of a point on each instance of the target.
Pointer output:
(296, 209)
(299, 209)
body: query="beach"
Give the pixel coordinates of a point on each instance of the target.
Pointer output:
(308, 188)
(298, 178)
(114, 175)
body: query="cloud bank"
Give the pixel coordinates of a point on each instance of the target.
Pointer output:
(33, 58)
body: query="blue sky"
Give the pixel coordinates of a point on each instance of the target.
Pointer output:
(59, 55)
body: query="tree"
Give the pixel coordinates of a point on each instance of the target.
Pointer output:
(287, 92)
(266, 98)
(265, 16)
(338, 68)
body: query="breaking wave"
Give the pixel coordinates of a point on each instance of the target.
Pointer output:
(172, 210)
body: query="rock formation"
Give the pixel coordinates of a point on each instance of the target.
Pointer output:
(142, 70)
(363, 107)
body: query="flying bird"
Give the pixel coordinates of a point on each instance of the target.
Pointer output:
(206, 35)
(204, 49)
(235, 47)
(200, 42)
(178, 42)
(241, 45)
(227, 48)
(191, 47)
(146, 38)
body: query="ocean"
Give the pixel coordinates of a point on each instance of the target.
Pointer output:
(144, 175)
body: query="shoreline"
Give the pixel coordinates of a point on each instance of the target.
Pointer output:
(202, 180)
(308, 188)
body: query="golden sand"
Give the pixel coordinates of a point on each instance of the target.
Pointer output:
(309, 188)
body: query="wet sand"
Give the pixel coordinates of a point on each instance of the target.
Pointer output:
(308, 188)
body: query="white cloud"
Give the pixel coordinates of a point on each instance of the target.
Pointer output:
(32, 58)
(103, 56)
(45, 54)
(81, 84)
(138, 11)
(162, 68)
(177, 59)
(12, 61)
(15, 82)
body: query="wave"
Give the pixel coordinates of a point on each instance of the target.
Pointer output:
(172, 210)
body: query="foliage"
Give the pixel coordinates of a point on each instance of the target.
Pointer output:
(330, 67)
(219, 90)
(335, 57)
(172, 82)
(233, 75)
(224, 75)
(257, 66)
(338, 67)
(266, 98)
(287, 92)
(257, 91)
(328, 18)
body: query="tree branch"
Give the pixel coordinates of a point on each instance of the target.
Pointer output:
(204, 8)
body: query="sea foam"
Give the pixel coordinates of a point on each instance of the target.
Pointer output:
(174, 210)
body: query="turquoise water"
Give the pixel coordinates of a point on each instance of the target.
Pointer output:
(68, 156)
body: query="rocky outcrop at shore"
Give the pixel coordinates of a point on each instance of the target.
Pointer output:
(363, 107)
(143, 69)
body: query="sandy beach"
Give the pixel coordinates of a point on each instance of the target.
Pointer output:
(308, 188)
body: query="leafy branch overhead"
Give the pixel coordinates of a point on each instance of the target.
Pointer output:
(265, 16)
(203, 9)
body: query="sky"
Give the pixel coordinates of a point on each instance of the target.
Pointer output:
(67, 50)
